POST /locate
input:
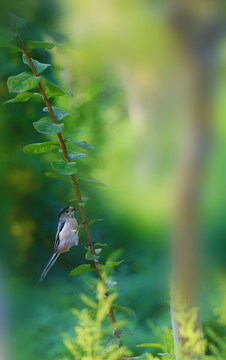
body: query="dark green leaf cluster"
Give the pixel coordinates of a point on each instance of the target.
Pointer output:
(23, 85)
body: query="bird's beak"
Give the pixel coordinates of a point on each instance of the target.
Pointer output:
(72, 209)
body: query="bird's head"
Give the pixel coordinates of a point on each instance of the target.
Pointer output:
(66, 213)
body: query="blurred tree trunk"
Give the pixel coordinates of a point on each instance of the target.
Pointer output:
(197, 27)
(186, 254)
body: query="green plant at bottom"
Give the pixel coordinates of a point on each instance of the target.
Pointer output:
(94, 340)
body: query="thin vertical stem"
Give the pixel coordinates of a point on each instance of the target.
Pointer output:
(75, 185)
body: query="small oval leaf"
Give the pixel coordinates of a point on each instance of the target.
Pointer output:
(59, 113)
(81, 269)
(17, 21)
(125, 331)
(57, 177)
(41, 45)
(113, 342)
(90, 256)
(99, 244)
(92, 221)
(64, 167)
(93, 181)
(74, 156)
(40, 67)
(12, 47)
(110, 264)
(46, 126)
(22, 82)
(84, 199)
(40, 148)
(125, 309)
(24, 96)
(110, 283)
(98, 251)
(82, 144)
(53, 90)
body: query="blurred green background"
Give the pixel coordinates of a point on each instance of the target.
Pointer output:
(124, 69)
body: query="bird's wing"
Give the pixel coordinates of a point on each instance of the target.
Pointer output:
(57, 239)
(75, 238)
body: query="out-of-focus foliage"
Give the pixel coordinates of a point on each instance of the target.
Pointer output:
(121, 62)
(88, 332)
(93, 339)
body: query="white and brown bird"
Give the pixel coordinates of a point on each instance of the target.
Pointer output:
(66, 236)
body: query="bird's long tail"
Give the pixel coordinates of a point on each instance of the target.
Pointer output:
(49, 265)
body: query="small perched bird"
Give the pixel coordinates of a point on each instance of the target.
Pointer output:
(66, 236)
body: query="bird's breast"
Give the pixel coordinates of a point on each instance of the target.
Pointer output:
(68, 235)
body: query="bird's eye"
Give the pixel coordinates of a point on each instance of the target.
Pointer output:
(67, 211)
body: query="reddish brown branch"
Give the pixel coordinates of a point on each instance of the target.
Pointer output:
(75, 185)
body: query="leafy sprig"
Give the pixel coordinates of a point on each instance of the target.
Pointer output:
(33, 85)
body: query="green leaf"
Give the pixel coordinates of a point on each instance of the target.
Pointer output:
(105, 340)
(81, 269)
(23, 97)
(110, 283)
(70, 93)
(40, 148)
(99, 244)
(145, 356)
(41, 45)
(46, 126)
(17, 21)
(93, 181)
(22, 82)
(125, 309)
(84, 200)
(59, 113)
(152, 345)
(82, 144)
(108, 342)
(110, 264)
(81, 204)
(79, 227)
(12, 47)
(114, 342)
(92, 221)
(125, 331)
(57, 177)
(161, 354)
(88, 301)
(92, 313)
(40, 67)
(74, 156)
(53, 90)
(90, 256)
(98, 251)
(64, 167)
(77, 156)
(6, 35)
(129, 311)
